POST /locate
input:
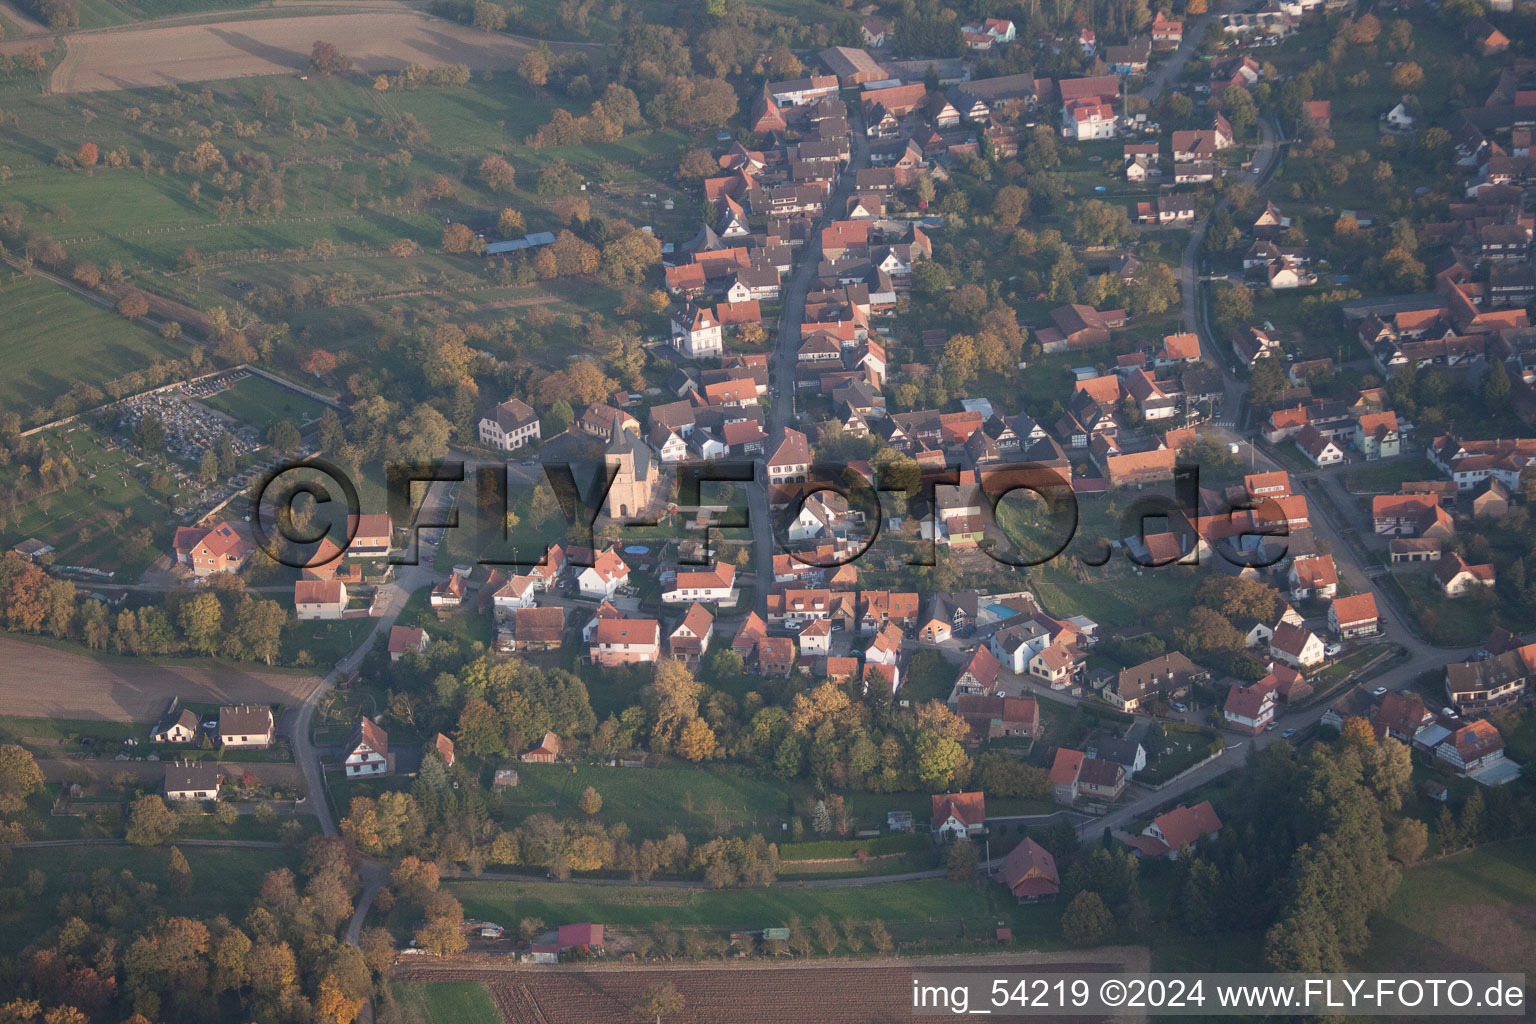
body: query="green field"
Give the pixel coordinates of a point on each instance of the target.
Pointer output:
(1473, 911)
(261, 403)
(1386, 476)
(54, 339)
(908, 903)
(227, 880)
(446, 1002)
(655, 801)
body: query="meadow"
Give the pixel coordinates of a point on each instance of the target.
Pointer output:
(55, 339)
(1472, 911)
(261, 403)
(445, 1002)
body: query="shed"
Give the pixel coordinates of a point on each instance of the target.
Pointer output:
(505, 778)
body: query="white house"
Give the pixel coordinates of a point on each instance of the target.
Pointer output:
(1249, 708)
(1296, 646)
(696, 333)
(366, 752)
(517, 592)
(191, 780)
(1398, 118)
(815, 638)
(1016, 645)
(602, 579)
(717, 584)
(958, 815)
(177, 727)
(512, 425)
(1313, 576)
(246, 726)
(319, 599)
(1082, 121)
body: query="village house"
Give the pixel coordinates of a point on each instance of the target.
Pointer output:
(319, 599)
(546, 752)
(991, 717)
(366, 752)
(405, 639)
(1491, 684)
(192, 780)
(1056, 665)
(690, 640)
(958, 815)
(716, 584)
(620, 641)
(1458, 579)
(1075, 775)
(776, 656)
(1313, 576)
(1296, 646)
(1179, 829)
(1354, 616)
(246, 726)
(538, 629)
(372, 535)
(181, 727)
(603, 578)
(1167, 677)
(222, 548)
(1473, 747)
(1249, 709)
(1029, 873)
(511, 425)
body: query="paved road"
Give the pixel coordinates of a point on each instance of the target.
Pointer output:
(781, 371)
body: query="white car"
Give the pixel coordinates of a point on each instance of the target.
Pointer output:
(1380, 691)
(1333, 650)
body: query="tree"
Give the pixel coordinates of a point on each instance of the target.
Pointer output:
(180, 873)
(1496, 386)
(696, 741)
(660, 999)
(1087, 921)
(284, 436)
(498, 175)
(86, 155)
(1233, 305)
(534, 68)
(1407, 77)
(509, 224)
(1100, 223)
(489, 17)
(460, 238)
(20, 777)
(133, 304)
(1009, 206)
(591, 801)
(327, 60)
(151, 822)
(1409, 841)
(1357, 732)
(696, 164)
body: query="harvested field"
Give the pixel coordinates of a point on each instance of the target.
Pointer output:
(40, 682)
(161, 55)
(756, 992)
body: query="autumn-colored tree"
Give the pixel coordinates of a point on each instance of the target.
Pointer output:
(534, 68)
(87, 274)
(489, 17)
(1357, 732)
(20, 777)
(510, 224)
(696, 164)
(333, 1005)
(180, 873)
(327, 60)
(151, 822)
(86, 155)
(1087, 921)
(498, 175)
(697, 741)
(133, 304)
(403, 248)
(591, 801)
(319, 362)
(460, 238)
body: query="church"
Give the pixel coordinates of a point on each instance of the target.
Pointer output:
(638, 480)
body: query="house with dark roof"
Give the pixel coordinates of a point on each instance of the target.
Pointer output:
(958, 815)
(192, 780)
(1029, 873)
(366, 752)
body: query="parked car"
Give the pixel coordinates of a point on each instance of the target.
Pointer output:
(1380, 691)
(1288, 733)
(1333, 650)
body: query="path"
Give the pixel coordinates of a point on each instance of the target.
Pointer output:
(781, 376)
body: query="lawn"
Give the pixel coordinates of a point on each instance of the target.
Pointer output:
(227, 880)
(262, 402)
(1473, 911)
(698, 802)
(446, 1002)
(1386, 476)
(909, 903)
(54, 339)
